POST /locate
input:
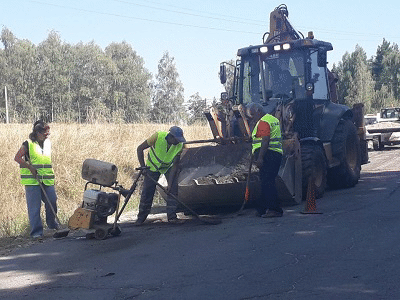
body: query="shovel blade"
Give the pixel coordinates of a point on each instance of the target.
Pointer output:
(61, 233)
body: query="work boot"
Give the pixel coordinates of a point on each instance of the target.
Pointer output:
(37, 237)
(259, 213)
(56, 226)
(272, 214)
(139, 221)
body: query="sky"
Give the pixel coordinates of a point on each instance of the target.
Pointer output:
(200, 34)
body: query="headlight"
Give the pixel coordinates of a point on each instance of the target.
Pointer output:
(286, 46)
(264, 49)
(309, 86)
(277, 47)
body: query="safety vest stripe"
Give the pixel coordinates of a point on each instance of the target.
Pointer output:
(258, 140)
(39, 166)
(158, 159)
(155, 155)
(161, 168)
(155, 167)
(274, 147)
(163, 165)
(39, 176)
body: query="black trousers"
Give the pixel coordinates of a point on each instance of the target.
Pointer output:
(268, 172)
(148, 190)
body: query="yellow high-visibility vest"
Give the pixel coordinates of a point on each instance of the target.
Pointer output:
(41, 161)
(160, 158)
(275, 141)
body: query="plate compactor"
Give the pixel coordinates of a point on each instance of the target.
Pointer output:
(98, 205)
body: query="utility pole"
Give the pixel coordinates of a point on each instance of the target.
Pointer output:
(5, 96)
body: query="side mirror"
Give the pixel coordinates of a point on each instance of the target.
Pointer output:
(224, 96)
(222, 73)
(321, 57)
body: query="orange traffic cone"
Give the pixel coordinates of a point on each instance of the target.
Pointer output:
(310, 207)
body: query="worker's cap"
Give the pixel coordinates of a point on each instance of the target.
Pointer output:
(177, 133)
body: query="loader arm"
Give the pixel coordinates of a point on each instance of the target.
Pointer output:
(280, 29)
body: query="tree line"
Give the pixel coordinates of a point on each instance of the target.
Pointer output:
(374, 81)
(60, 82)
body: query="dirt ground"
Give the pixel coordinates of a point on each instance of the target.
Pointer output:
(7, 244)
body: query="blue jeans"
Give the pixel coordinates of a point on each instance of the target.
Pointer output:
(148, 190)
(34, 198)
(268, 172)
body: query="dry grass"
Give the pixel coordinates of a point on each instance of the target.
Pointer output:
(72, 144)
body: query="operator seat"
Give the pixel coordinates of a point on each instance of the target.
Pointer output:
(284, 83)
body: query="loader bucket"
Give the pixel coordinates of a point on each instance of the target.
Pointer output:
(216, 176)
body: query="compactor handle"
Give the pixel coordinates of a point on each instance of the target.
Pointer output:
(128, 193)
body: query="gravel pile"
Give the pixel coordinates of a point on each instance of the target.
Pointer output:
(239, 172)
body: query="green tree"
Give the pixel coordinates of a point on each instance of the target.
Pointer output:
(91, 79)
(196, 108)
(382, 98)
(18, 73)
(355, 80)
(392, 72)
(386, 73)
(168, 93)
(53, 78)
(378, 67)
(62, 82)
(129, 93)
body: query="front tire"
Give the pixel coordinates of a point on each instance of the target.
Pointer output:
(100, 234)
(314, 166)
(346, 149)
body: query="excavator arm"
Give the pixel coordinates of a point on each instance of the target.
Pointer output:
(280, 29)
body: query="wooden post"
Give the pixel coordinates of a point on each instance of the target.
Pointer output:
(5, 96)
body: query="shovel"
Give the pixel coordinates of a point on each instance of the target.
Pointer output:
(60, 233)
(247, 193)
(212, 221)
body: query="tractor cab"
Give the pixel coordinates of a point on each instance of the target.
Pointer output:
(287, 71)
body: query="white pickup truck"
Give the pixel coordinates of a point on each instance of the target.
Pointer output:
(383, 128)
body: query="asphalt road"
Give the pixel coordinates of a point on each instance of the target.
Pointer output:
(350, 251)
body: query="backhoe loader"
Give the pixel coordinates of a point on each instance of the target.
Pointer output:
(287, 74)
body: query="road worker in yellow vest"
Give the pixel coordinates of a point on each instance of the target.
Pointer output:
(267, 151)
(165, 148)
(34, 158)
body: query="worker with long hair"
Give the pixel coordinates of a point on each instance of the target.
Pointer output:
(34, 158)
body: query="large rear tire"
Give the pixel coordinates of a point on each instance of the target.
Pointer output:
(346, 149)
(314, 165)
